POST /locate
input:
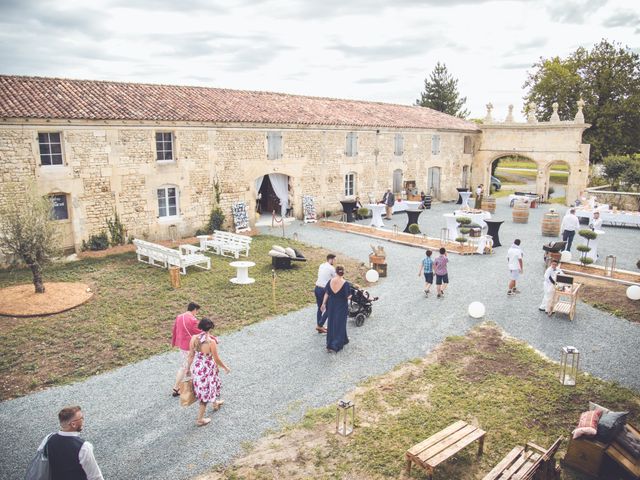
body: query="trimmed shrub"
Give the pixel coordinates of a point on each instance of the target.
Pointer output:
(588, 234)
(97, 242)
(414, 228)
(363, 212)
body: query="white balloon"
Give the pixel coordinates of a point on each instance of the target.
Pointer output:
(565, 256)
(476, 310)
(372, 276)
(633, 292)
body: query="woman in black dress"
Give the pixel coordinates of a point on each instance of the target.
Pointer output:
(336, 302)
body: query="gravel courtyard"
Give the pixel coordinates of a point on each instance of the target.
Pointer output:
(280, 367)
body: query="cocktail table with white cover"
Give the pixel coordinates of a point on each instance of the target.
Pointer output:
(452, 225)
(465, 198)
(242, 274)
(376, 214)
(403, 205)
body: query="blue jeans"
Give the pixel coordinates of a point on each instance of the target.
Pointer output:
(321, 318)
(567, 236)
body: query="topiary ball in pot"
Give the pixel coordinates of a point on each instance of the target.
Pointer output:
(414, 228)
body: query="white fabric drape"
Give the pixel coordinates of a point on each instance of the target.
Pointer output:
(280, 184)
(259, 181)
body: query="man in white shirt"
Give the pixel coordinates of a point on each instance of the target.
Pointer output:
(70, 457)
(326, 272)
(570, 225)
(514, 261)
(596, 222)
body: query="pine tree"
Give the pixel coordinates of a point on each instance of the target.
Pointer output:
(441, 93)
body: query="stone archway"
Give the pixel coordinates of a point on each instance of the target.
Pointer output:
(525, 176)
(542, 142)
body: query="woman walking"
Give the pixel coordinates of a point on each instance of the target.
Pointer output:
(203, 365)
(336, 303)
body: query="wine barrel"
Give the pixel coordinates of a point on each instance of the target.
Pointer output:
(427, 202)
(520, 213)
(551, 224)
(489, 204)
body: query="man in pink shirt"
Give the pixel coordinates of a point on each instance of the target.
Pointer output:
(185, 326)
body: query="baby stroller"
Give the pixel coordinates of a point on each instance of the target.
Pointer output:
(360, 304)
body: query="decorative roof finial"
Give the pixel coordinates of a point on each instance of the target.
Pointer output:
(579, 115)
(555, 118)
(488, 118)
(509, 118)
(531, 113)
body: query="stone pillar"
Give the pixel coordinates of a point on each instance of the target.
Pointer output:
(509, 118)
(555, 118)
(579, 115)
(488, 118)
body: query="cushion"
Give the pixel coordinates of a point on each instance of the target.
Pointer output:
(298, 253)
(610, 425)
(276, 253)
(629, 441)
(278, 248)
(289, 251)
(588, 424)
(594, 406)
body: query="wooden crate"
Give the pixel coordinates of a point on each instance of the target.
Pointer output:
(375, 259)
(585, 455)
(381, 268)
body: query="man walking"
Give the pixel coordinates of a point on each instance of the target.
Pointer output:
(326, 272)
(426, 266)
(70, 457)
(514, 261)
(388, 199)
(185, 326)
(442, 274)
(570, 224)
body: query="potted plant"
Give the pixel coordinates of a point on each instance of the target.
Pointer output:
(463, 229)
(589, 235)
(363, 212)
(414, 228)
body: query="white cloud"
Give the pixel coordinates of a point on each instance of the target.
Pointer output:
(373, 50)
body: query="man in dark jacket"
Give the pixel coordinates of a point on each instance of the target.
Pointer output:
(388, 199)
(70, 457)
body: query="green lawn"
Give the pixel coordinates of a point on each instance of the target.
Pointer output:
(131, 314)
(529, 164)
(499, 384)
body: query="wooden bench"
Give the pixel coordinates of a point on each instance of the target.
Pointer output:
(431, 452)
(164, 257)
(526, 463)
(226, 243)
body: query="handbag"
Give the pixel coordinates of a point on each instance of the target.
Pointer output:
(187, 395)
(38, 468)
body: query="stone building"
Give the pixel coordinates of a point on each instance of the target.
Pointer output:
(154, 153)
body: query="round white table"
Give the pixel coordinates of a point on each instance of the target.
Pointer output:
(465, 198)
(376, 214)
(242, 274)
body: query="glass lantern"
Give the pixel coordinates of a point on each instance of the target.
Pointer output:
(345, 418)
(569, 359)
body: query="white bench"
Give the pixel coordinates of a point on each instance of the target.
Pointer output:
(226, 243)
(160, 256)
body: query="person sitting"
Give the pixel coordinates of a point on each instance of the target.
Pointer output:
(357, 207)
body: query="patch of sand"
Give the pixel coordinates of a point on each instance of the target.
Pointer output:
(22, 301)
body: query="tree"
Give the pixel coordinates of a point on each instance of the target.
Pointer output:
(607, 78)
(26, 231)
(441, 93)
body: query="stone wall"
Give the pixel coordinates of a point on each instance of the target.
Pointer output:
(113, 167)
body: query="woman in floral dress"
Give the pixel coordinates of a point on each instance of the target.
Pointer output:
(203, 365)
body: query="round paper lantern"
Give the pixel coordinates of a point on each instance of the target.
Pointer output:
(476, 310)
(633, 292)
(565, 256)
(372, 276)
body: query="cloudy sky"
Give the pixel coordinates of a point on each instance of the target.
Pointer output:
(361, 49)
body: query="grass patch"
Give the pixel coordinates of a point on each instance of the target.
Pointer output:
(504, 163)
(131, 314)
(502, 385)
(560, 200)
(501, 193)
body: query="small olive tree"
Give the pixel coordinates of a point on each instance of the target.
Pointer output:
(26, 231)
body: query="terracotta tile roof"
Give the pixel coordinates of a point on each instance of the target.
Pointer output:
(57, 98)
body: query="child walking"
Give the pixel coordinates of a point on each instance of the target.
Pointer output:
(426, 268)
(440, 269)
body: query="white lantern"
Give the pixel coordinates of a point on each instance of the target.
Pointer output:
(565, 256)
(476, 310)
(372, 276)
(633, 292)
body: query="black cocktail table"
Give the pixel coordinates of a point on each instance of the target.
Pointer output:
(459, 202)
(492, 229)
(347, 207)
(412, 217)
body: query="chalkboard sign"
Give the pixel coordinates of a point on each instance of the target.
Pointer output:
(59, 209)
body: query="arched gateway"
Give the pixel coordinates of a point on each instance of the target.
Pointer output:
(545, 143)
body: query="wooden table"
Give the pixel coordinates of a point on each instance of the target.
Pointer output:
(564, 301)
(431, 452)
